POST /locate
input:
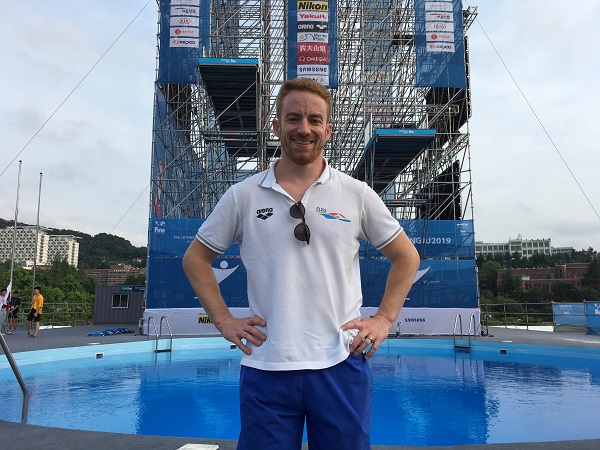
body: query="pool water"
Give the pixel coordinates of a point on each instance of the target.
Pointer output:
(424, 394)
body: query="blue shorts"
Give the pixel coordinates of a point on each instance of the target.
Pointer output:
(335, 402)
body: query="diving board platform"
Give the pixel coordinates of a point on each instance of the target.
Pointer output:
(231, 84)
(388, 152)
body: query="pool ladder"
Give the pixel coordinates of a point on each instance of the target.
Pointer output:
(458, 324)
(159, 333)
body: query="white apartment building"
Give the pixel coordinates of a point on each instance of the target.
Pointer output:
(48, 246)
(523, 247)
(63, 247)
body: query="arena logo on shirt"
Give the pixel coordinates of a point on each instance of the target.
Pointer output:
(332, 215)
(264, 213)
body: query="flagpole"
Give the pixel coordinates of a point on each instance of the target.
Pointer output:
(37, 231)
(14, 242)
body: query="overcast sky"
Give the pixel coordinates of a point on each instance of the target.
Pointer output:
(94, 153)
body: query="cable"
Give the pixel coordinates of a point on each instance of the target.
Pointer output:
(73, 90)
(538, 119)
(129, 209)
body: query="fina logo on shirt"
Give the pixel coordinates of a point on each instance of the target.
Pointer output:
(332, 216)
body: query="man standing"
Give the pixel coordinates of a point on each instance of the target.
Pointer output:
(305, 345)
(3, 309)
(13, 312)
(36, 311)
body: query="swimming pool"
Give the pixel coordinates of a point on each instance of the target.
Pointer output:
(425, 393)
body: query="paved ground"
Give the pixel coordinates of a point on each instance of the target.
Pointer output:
(19, 436)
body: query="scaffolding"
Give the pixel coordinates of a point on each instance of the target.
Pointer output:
(410, 144)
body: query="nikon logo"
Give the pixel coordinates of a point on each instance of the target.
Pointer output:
(313, 6)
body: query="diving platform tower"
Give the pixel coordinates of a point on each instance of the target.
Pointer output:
(396, 126)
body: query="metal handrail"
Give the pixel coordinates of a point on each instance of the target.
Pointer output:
(158, 333)
(170, 333)
(474, 329)
(17, 372)
(458, 319)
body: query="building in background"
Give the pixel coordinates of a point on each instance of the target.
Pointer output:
(525, 248)
(115, 275)
(35, 244)
(63, 247)
(118, 304)
(544, 278)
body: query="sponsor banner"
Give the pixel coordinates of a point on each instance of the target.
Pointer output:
(441, 47)
(440, 37)
(433, 238)
(437, 238)
(438, 6)
(568, 313)
(315, 27)
(312, 41)
(438, 17)
(313, 37)
(184, 22)
(438, 283)
(411, 321)
(439, 44)
(187, 11)
(182, 32)
(592, 317)
(441, 27)
(441, 283)
(184, 37)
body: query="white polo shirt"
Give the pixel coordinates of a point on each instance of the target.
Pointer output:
(303, 292)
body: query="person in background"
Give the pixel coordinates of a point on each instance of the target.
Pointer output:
(4, 302)
(13, 312)
(299, 225)
(35, 314)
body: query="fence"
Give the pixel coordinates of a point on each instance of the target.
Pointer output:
(59, 314)
(517, 314)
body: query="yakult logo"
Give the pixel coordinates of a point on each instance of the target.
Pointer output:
(312, 16)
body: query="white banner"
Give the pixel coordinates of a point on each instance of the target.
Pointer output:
(412, 321)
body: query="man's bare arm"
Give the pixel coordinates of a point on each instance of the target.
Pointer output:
(197, 266)
(374, 330)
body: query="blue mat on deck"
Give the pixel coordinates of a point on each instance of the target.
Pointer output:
(110, 332)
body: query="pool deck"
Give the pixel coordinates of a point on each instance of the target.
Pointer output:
(19, 436)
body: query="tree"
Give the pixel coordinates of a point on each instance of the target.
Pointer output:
(488, 276)
(509, 284)
(136, 280)
(592, 277)
(563, 292)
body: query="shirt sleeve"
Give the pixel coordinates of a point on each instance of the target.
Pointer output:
(379, 226)
(221, 228)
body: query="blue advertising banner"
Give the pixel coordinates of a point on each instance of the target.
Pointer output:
(592, 317)
(438, 284)
(184, 37)
(312, 41)
(439, 44)
(568, 314)
(448, 283)
(435, 238)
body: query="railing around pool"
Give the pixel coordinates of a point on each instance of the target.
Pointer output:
(19, 377)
